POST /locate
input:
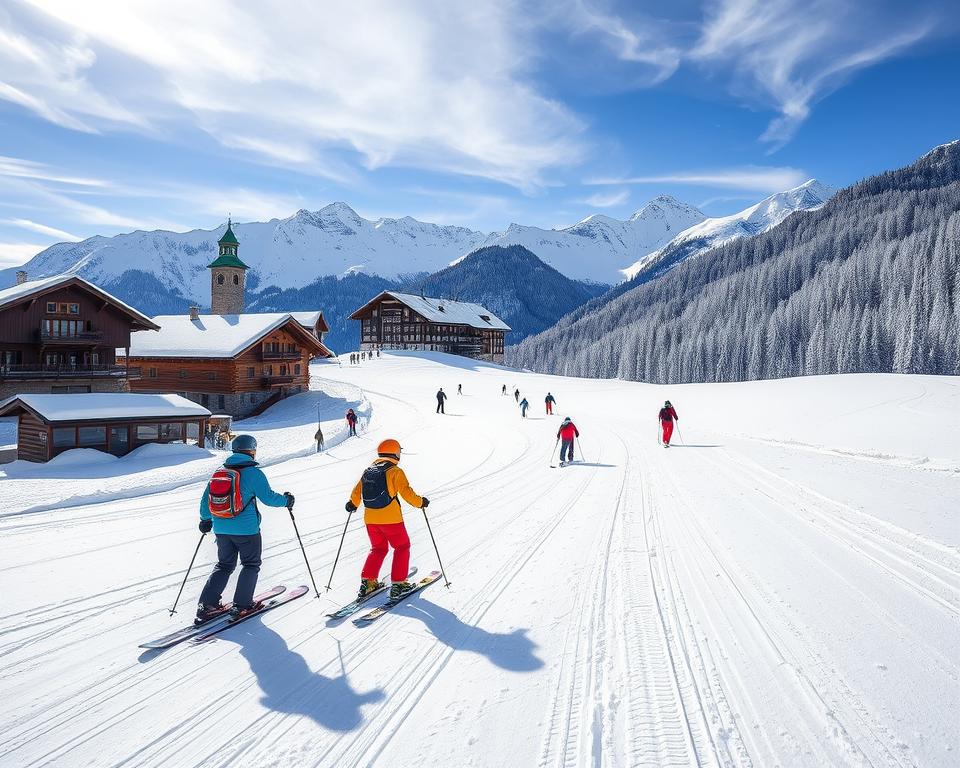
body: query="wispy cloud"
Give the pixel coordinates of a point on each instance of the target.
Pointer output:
(791, 53)
(297, 84)
(753, 178)
(28, 169)
(42, 229)
(15, 254)
(607, 199)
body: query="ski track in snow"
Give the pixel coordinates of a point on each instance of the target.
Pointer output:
(692, 607)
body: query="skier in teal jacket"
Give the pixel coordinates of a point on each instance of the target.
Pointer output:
(239, 536)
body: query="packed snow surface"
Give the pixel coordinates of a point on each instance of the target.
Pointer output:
(779, 587)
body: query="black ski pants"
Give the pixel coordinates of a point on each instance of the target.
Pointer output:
(229, 548)
(440, 406)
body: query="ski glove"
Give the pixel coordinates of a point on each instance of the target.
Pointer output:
(290, 500)
(426, 502)
(351, 507)
(206, 526)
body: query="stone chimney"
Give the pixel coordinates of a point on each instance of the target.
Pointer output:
(21, 276)
(194, 312)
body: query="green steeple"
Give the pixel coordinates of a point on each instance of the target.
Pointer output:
(228, 250)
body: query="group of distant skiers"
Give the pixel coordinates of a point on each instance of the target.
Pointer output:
(228, 507)
(362, 357)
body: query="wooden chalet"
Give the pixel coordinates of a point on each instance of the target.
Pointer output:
(50, 424)
(60, 334)
(395, 320)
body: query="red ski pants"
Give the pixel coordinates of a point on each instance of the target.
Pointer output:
(549, 407)
(394, 535)
(667, 431)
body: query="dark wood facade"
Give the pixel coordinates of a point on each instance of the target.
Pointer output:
(272, 367)
(388, 323)
(63, 338)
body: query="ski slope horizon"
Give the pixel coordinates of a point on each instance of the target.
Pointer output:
(780, 587)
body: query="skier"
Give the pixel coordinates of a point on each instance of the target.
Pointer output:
(441, 396)
(459, 389)
(352, 423)
(523, 407)
(566, 434)
(549, 400)
(504, 390)
(319, 438)
(516, 395)
(667, 416)
(229, 507)
(378, 352)
(379, 489)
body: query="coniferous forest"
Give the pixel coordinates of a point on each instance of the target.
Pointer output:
(870, 282)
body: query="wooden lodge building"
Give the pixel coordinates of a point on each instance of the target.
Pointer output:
(230, 361)
(49, 424)
(395, 320)
(60, 334)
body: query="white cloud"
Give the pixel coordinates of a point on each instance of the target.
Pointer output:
(42, 229)
(28, 169)
(607, 199)
(431, 85)
(15, 254)
(791, 53)
(754, 178)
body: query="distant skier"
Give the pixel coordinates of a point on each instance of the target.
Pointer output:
(523, 407)
(319, 438)
(668, 415)
(566, 434)
(459, 389)
(549, 400)
(441, 396)
(352, 423)
(380, 488)
(229, 507)
(378, 352)
(504, 390)
(516, 395)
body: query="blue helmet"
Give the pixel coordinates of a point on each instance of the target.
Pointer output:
(244, 443)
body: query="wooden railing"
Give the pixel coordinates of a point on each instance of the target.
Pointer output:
(38, 371)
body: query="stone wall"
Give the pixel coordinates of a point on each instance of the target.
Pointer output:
(227, 299)
(10, 387)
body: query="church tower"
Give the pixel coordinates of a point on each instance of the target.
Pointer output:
(228, 276)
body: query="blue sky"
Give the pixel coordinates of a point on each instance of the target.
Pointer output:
(143, 115)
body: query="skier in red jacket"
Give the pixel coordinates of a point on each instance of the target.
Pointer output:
(667, 416)
(566, 434)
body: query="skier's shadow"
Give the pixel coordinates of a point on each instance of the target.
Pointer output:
(513, 651)
(289, 685)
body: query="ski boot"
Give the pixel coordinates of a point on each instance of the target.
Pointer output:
(239, 611)
(367, 586)
(399, 588)
(207, 612)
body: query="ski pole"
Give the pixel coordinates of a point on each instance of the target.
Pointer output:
(580, 448)
(296, 531)
(678, 432)
(442, 573)
(337, 558)
(554, 449)
(189, 568)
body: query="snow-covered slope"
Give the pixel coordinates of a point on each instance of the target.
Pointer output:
(780, 587)
(709, 233)
(597, 247)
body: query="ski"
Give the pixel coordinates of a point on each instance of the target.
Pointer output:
(223, 624)
(377, 612)
(194, 629)
(352, 607)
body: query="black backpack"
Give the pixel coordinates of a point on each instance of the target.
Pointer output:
(373, 486)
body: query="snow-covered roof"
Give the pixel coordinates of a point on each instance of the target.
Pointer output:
(209, 335)
(307, 319)
(30, 287)
(449, 312)
(104, 405)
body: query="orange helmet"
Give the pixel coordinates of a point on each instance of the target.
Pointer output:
(390, 448)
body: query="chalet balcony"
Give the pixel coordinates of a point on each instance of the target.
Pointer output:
(38, 371)
(277, 380)
(279, 355)
(80, 339)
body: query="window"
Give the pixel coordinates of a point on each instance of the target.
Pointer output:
(74, 309)
(51, 306)
(152, 373)
(204, 400)
(296, 369)
(219, 279)
(147, 432)
(211, 374)
(93, 436)
(236, 279)
(64, 437)
(251, 372)
(119, 440)
(171, 431)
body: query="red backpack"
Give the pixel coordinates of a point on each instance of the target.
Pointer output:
(224, 498)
